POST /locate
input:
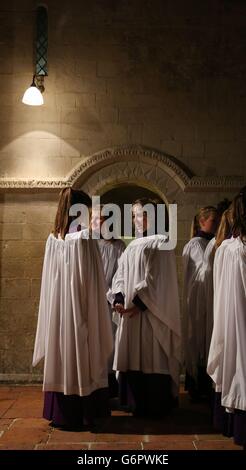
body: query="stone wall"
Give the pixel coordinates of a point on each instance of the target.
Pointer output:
(26, 221)
(165, 74)
(161, 74)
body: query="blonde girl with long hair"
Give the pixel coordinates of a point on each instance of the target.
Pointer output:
(202, 231)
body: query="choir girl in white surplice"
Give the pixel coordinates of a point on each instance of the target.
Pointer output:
(74, 334)
(148, 337)
(194, 319)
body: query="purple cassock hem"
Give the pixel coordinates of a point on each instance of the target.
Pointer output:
(230, 424)
(73, 410)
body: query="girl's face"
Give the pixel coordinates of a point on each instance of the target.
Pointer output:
(96, 221)
(209, 225)
(139, 218)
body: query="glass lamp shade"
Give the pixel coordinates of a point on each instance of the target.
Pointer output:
(33, 96)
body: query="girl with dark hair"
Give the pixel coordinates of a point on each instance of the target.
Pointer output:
(63, 222)
(73, 333)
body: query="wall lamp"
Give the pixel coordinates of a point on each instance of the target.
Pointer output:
(33, 94)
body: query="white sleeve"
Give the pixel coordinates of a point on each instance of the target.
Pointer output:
(49, 286)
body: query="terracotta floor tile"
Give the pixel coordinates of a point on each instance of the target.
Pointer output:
(169, 445)
(58, 436)
(63, 446)
(5, 423)
(9, 393)
(25, 407)
(120, 438)
(17, 446)
(115, 446)
(171, 438)
(26, 431)
(211, 437)
(32, 423)
(217, 445)
(31, 388)
(5, 406)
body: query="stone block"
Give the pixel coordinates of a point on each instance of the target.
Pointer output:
(19, 315)
(12, 268)
(135, 134)
(14, 249)
(39, 214)
(31, 269)
(50, 166)
(108, 114)
(70, 148)
(13, 214)
(35, 249)
(11, 231)
(140, 115)
(110, 68)
(36, 231)
(115, 133)
(171, 147)
(16, 360)
(35, 288)
(86, 68)
(85, 100)
(15, 288)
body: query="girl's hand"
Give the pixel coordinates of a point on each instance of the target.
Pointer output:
(132, 311)
(119, 308)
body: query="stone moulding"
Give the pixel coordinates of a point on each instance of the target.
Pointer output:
(140, 154)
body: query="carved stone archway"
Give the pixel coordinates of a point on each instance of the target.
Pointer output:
(134, 173)
(133, 165)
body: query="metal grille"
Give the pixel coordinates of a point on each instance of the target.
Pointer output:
(42, 41)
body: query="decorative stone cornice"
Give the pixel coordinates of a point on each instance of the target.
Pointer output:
(156, 159)
(216, 183)
(9, 184)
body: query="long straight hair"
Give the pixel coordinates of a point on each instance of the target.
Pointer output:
(67, 198)
(225, 227)
(239, 215)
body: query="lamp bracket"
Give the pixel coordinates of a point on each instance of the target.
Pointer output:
(39, 82)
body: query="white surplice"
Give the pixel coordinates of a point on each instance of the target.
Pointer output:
(110, 252)
(149, 341)
(74, 335)
(194, 312)
(218, 320)
(226, 362)
(207, 286)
